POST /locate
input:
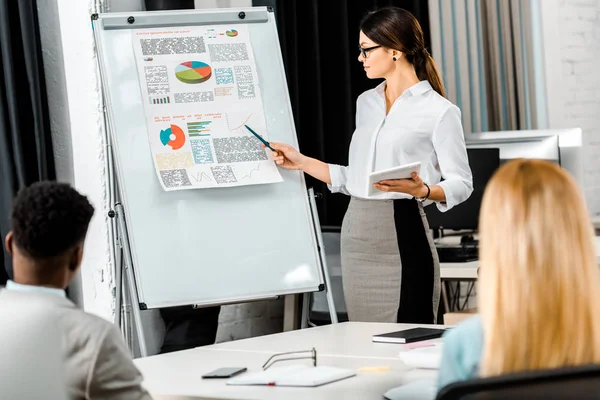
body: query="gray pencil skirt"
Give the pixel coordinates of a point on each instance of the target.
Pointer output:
(390, 268)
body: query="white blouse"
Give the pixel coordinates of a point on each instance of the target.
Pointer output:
(421, 126)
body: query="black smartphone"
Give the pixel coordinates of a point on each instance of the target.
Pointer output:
(224, 373)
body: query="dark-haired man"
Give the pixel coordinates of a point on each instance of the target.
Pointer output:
(49, 222)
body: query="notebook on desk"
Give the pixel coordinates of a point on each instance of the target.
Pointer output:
(409, 335)
(294, 375)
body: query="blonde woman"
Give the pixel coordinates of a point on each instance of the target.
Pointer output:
(539, 286)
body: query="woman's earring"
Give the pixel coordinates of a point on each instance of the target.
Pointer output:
(394, 58)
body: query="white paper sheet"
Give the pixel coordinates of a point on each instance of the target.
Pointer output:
(200, 87)
(423, 389)
(424, 357)
(294, 375)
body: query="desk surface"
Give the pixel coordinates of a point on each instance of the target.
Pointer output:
(461, 271)
(348, 339)
(468, 270)
(346, 345)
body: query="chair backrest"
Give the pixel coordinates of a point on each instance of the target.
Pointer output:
(581, 382)
(31, 358)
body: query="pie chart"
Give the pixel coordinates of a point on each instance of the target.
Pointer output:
(193, 72)
(172, 136)
(232, 33)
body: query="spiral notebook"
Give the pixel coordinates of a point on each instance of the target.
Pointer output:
(294, 375)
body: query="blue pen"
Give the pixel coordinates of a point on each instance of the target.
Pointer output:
(260, 138)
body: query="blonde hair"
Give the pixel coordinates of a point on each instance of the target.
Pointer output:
(539, 287)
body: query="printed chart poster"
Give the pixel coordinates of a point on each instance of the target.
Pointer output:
(201, 90)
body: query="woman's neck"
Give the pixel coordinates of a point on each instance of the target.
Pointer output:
(398, 82)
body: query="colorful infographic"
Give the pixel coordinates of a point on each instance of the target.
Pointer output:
(200, 88)
(193, 72)
(173, 137)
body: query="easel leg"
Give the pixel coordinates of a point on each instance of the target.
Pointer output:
(130, 278)
(324, 269)
(290, 312)
(305, 310)
(126, 310)
(118, 285)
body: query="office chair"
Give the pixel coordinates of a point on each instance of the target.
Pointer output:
(582, 382)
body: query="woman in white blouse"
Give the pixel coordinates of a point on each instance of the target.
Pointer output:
(390, 267)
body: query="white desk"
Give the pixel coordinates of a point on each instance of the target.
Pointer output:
(348, 339)
(468, 270)
(460, 271)
(347, 345)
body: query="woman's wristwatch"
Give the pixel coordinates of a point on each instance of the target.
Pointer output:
(423, 199)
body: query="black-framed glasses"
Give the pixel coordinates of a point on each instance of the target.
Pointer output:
(364, 52)
(310, 354)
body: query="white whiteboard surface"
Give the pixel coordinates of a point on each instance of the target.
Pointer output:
(210, 246)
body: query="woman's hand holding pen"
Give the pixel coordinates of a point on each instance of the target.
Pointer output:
(287, 157)
(414, 186)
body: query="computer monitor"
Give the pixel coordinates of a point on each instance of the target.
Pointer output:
(561, 146)
(465, 216)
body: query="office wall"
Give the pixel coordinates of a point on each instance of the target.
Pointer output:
(572, 52)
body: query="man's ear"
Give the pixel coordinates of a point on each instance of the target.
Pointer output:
(8, 243)
(76, 257)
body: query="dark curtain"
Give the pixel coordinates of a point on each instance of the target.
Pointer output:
(25, 143)
(319, 42)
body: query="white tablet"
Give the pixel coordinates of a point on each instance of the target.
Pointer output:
(400, 172)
